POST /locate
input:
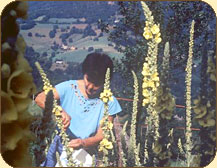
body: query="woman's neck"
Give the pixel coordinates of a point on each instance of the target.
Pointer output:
(81, 87)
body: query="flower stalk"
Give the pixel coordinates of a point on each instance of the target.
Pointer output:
(57, 113)
(188, 134)
(149, 72)
(106, 125)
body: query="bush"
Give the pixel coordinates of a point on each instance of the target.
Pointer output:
(39, 35)
(53, 54)
(90, 49)
(44, 54)
(63, 29)
(30, 34)
(64, 36)
(99, 50)
(27, 26)
(52, 34)
(70, 40)
(55, 27)
(96, 39)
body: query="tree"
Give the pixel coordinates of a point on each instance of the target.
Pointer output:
(70, 40)
(88, 31)
(90, 49)
(44, 54)
(52, 34)
(30, 34)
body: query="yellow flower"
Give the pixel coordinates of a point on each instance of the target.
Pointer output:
(158, 40)
(158, 35)
(145, 65)
(109, 145)
(105, 99)
(147, 34)
(155, 77)
(144, 84)
(110, 125)
(146, 29)
(145, 72)
(157, 84)
(111, 98)
(101, 148)
(103, 142)
(151, 84)
(145, 101)
(155, 29)
(145, 93)
(101, 122)
(106, 95)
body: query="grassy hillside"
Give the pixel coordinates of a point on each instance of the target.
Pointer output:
(43, 44)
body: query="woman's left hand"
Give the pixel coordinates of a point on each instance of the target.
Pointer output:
(76, 143)
(65, 119)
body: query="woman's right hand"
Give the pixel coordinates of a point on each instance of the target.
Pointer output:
(66, 119)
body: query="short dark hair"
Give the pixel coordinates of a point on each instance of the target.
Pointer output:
(95, 66)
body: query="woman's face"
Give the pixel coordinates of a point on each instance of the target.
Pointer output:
(91, 89)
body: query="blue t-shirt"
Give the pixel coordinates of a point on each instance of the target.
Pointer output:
(85, 113)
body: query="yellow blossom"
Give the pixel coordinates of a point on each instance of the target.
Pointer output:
(158, 40)
(155, 77)
(145, 101)
(147, 34)
(101, 122)
(158, 35)
(105, 99)
(106, 95)
(145, 65)
(151, 84)
(103, 142)
(155, 29)
(109, 145)
(145, 72)
(110, 125)
(101, 148)
(145, 93)
(146, 29)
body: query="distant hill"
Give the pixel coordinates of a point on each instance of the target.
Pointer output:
(91, 10)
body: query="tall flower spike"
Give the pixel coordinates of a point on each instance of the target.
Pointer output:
(151, 79)
(106, 125)
(188, 79)
(152, 30)
(57, 111)
(133, 145)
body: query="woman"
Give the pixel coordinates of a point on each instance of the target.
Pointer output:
(82, 107)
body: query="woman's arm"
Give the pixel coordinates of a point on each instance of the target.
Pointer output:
(40, 101)
(91, 141)
(41, 97)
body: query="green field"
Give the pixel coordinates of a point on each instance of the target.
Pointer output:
(62, 20)
(43, 44)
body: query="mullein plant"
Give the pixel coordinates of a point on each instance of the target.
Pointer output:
(151, 82)
(124, 154)
(106, 125)
(58, 117)
(165, 106)
(17, 88)
(133, 149)
(205, 115)
(188, 133)
(149, 72)
(43, 129)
